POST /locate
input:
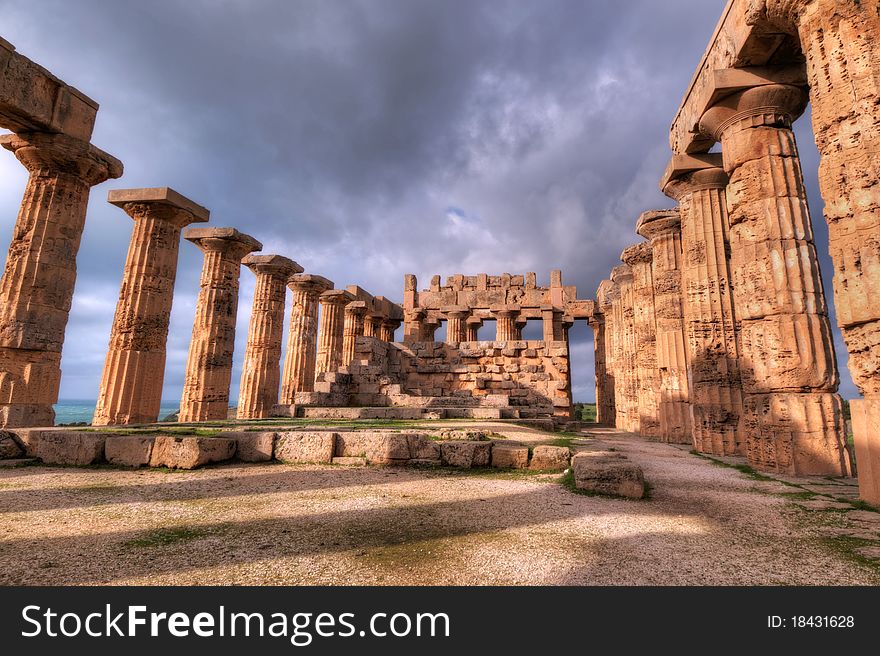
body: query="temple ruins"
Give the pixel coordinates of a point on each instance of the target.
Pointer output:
(713, 330)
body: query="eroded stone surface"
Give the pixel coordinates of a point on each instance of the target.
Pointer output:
(605, 472)
(305, 446)
(190, 452)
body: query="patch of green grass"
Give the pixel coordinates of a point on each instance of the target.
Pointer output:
(744, 469)
(846, 546)
(161, 537)
(858, 504)
(805, 495)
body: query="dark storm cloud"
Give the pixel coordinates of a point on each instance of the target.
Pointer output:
(368, 139)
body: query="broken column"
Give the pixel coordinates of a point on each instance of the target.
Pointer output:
(505, 322)
(260, 376)
(36, 289)
(794, 419)
(639, 257)
(455, 324)
(330, 332)
(663, 229)
(131, 385)
(302, 335)
(606, 402)
(209, 365)
(352, 329)
(710, 323)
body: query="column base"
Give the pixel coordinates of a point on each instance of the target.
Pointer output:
(17, 415)
(796, 434)
(866, 437)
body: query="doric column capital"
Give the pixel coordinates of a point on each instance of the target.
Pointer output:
(391, 324)
(276, 266)
(44, 153)
(506, 310)
(709, 178)
(227, 241)
(457, 311)
(415, 314)
(606, 294)
(655, 223)
(775, 105)
(474, 321)
(637, 254)
(621, 274)
(159, 203)
(309, 282)
(336, 297)
(356, 309)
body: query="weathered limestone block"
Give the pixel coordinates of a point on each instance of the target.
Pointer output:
(331, 332)
(353, 329)
(300, 361)
(253, 446)
(510, 457)
(36, 288)
(131, 384)
(423, 449)
(710, 322)
(639, 257)
(258, 390)
(866, 434)
(663, 229)
(209, 365)
(550, 458)
(305, 446)
(190, 452)
(786, 340)
(465, 454)
(63, 447)
(129, 450)
(605, 472)
(9, 447)
(383, 448)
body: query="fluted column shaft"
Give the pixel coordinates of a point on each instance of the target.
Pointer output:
(260, 375)
(387, 329)
(302, 336)
(626, 379)
(473, 326)
(36, 289)
(131, 384)
(372, 326)
(604, 395)
(209, 364)
(353, 328)
(793, 417)
(455, 326)
(505, 324)
(663, 229)
(330, 333)
(605, 296)
(639, 257)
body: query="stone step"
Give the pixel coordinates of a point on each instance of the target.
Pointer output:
(407, 413)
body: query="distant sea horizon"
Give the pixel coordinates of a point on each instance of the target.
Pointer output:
(74, 411)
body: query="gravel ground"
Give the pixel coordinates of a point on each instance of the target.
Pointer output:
(284, 524)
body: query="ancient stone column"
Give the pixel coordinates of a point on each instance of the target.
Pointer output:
(794, 419)
(710, 323)
(606, 294)
(639, 257)
(209, 365)
(518, 324)
(352, 329)
(432, 325)
(37, 284)
(386, 330)
(604, 393)
(131, 385)
(260, 376)
(455, 324)
(302, 336)
(505, 322)
(663, 229)
(330, 333)
(413, 326)
(372, 326)
(473, 325)
(626, 379)
(552, 317)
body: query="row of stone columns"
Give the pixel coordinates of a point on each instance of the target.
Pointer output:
(721, 332)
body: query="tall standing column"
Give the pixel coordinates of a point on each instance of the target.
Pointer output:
(36, 289)
(606, 408)
(455, 324)
(209, 365)
(663, 229)
(710, 323)
(353, 328)
(625, 384)
(794, 419)
(505, 322)
(260, 376)
(330, 333)
(131, 385)
(302, 336)
(639, 257)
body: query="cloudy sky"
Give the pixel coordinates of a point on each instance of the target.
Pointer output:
(367, 139)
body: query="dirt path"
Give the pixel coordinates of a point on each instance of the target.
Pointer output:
(282, 524)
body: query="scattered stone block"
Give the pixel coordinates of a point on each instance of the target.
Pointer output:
(129, 450)
(465, 454)
(510, 457)
(63, 447)
(422, 447)
(190, 452)
(253, 446)
(605, 472)
(554, 458)
(306, 446)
